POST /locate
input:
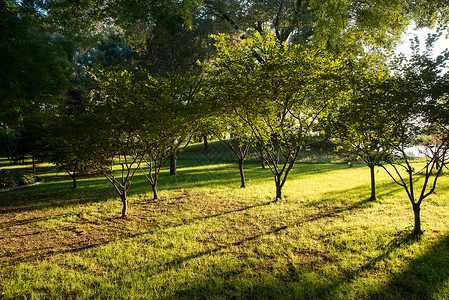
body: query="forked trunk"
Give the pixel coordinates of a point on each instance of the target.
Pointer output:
(417, 212)
(373, 183)
(242, 174)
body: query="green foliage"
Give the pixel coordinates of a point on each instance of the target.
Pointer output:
(342, 26)
(277, 91)
(111, 52)
(142, 119)
(365, 121)
(80, 21)
(154, 110)
(34, 68)
(8, 142)
(418, 95)
(63, 142)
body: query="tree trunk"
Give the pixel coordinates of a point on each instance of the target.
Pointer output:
(75, 183)
(173, 158)
(278, 192)
(262, 163)
(373, 183)
(206, 144)
(417, 212)
(242, 174)
(125, 205)
(154, 191)
(278, 187)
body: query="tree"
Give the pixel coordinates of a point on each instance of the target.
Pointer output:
(77, 21)
(145, 123)
(337, 25)
(235, 134)
(34, 69)
(363, 122)
(278, 91)
(170, 120)
(170, 37)
(29, 138)
(64, 138)
(114, 135)
(418, 106)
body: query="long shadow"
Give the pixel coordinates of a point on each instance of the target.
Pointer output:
(425, 278)
(401, 238)
(223, 213)
(9, 224)
(49, 242)
(48, 251)
(29, 203)
(307, 219)
(40, 203)
(404, 237)
(383, 190)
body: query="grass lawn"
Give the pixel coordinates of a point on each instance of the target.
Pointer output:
(208, 238)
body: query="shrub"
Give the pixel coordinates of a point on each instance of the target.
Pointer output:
(9, 178)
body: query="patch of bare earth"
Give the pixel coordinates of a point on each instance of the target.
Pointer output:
(28, 235)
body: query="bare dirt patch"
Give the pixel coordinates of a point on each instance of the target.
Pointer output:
(28, 235)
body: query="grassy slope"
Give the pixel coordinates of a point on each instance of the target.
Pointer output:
(208, 238)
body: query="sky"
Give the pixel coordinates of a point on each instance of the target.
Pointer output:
(440, 46)
(404, 48)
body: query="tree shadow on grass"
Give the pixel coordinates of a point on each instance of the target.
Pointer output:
(279, 287)
(40, 200)
(71, 238)
(303, 220)
(29, 202)
(425, 278)
(11, 223)
(22, 241)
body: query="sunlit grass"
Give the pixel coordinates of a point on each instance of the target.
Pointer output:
(208, 238)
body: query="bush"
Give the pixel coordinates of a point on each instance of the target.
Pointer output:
(26, 179)
(12, 178)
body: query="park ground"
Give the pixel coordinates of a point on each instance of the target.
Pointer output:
(207, 238)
